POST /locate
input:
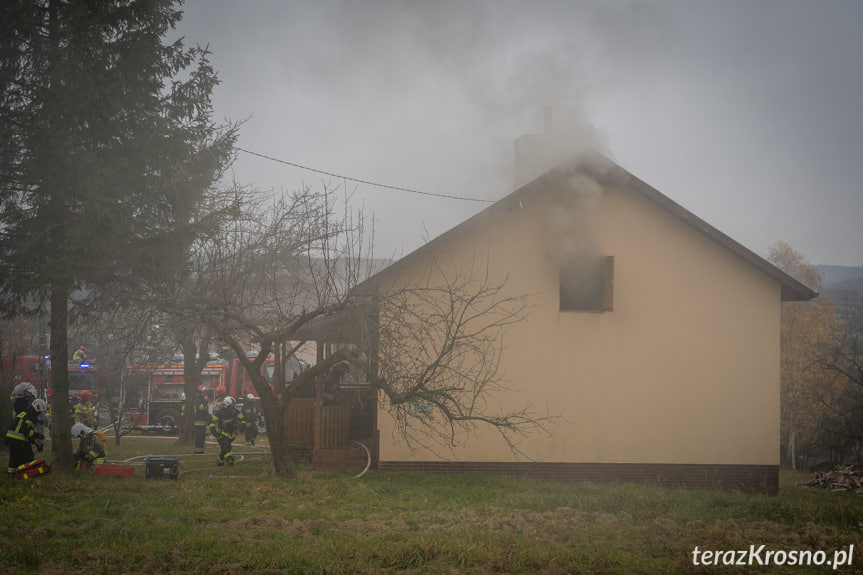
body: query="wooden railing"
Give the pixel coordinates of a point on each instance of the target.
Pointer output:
(300, 421)
(335, 427)
(335, 424)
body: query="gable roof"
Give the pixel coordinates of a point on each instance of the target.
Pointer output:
(606, 173)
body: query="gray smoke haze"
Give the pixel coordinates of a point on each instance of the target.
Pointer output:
(572, 221)
(743, 112)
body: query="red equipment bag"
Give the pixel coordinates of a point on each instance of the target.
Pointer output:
(35, 468)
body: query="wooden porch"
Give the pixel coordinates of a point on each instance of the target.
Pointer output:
(323, 434)
(342, 432)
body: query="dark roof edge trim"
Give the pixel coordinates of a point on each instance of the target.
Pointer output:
(792, 288)
(606, 172)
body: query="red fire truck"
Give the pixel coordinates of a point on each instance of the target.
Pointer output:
(83, 376)
(154, 395)
(31, 369)
(36, 370)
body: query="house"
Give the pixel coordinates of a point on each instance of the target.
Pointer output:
(653, 342)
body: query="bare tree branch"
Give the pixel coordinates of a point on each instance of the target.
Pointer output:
(440, 341)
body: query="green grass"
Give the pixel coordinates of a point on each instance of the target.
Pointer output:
(245, 520)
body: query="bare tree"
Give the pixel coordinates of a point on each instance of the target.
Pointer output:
(438, 350)
(288, 270)
(842, 429)
(124, 314)
(196, 356)
(120, 331)
(805, 328)
(282, 263)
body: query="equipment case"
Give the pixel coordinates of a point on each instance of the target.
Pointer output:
(112, 469)
(163, 468)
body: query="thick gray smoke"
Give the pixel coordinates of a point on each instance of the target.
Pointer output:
(499, 64)
(572, 221)
(449, 84)
(693, 97)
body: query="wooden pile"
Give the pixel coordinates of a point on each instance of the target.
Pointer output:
(840, 479)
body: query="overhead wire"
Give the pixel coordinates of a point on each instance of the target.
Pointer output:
(367, 182)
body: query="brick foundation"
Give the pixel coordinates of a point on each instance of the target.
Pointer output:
(341, 458)
(749, 478)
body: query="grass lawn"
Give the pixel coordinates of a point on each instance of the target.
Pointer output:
(242, 519)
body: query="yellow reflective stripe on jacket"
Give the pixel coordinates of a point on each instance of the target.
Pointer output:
(23, 422)
(16, 435)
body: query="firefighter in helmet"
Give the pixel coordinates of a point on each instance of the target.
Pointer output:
(23, 395)
(91, 447)
(224, 423)
(23, 434)
(80, 355)
(202, 417)
(85, 411)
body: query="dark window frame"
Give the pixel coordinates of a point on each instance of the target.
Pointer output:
(587, 284)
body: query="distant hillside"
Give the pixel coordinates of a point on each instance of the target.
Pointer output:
(844, 286)
(855, 284)
(835, 275)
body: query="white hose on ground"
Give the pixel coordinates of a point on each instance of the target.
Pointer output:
(237, 456)
(368, 460)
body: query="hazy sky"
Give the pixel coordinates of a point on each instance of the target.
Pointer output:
(747, 113)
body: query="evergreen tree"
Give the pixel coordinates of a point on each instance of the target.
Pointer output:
(107, 148)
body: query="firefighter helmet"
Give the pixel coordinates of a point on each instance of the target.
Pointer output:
(220, 390)
(202, 388)
(250, 396)
(228, 401)
(80, 430)
(40, 406)
(85, 395)
(23, 390)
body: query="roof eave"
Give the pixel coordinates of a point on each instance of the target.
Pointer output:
(606, 172)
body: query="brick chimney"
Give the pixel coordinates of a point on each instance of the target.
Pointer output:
(535, 154)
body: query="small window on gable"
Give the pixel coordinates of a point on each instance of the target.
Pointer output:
(586, 284)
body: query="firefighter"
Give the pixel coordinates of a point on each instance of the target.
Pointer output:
(23, 395)
(91, 446)
(220, 395)
(202, 417)
(73, 403)
(250, 415)
(153, 345)
(80, 355)
(22, 434)
(85, 412)
(225, 352)
(224, 424)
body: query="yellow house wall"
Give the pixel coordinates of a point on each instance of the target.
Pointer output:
(685, 369)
